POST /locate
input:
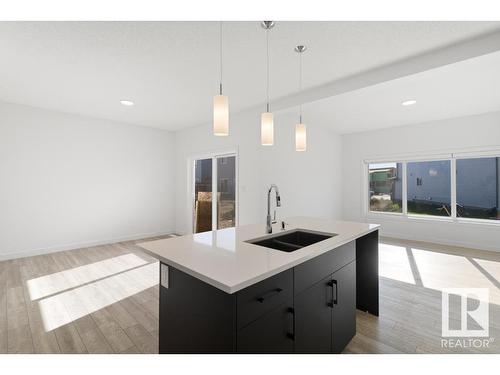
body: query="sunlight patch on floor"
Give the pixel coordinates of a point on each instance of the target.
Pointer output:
(57, 282)
(68, 306)
(394, 263)
(439, 270)
(491, 267)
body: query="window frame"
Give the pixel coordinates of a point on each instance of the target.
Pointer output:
(404, 160)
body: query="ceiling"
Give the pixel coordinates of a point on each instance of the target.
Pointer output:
(465, 88)
(170, 69)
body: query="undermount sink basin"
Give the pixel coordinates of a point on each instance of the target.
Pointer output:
(291, 240)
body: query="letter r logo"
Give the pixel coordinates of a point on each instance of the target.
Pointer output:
(478, 313)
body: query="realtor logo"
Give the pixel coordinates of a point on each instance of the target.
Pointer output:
(470, 312)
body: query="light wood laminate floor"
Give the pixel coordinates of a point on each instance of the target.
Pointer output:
(412, 275)
(104, 299)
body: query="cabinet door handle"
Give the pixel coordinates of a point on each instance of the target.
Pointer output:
(291, 333)
(268, 295)
(334, 301)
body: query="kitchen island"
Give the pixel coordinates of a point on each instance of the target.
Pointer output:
(220, 292)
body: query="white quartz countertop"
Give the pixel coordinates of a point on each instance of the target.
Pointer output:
(224, 260)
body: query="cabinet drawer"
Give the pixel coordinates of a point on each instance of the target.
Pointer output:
(258, 299)
(312, 271)
(270, 333)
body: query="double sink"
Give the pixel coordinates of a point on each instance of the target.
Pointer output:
(291, 240)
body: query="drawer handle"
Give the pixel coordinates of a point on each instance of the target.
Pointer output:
(269, 295)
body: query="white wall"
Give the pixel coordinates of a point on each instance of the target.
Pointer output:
(309, 182)
(68, 181)
(480, 131)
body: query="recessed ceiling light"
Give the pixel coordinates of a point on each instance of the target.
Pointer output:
(408, 102)
(127, 102)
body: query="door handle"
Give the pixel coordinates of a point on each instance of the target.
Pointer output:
(291, 333)
(334, 286)
(336, 299)
(268, 295)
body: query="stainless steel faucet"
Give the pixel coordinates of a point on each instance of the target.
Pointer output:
(269, 228)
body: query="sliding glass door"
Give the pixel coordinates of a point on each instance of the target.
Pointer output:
(214, 187)
(226, 191)
(203, 195)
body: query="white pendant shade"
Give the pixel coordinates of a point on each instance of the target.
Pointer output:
(221, 115)
(300, 137)
(267, 129)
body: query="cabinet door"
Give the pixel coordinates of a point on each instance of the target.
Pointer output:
(271, 333)
(344, 307)
(313, 318)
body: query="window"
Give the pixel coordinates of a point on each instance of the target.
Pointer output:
(429, 187)
(459, 187)
(478, 188)
(386, 187)
(223, 185)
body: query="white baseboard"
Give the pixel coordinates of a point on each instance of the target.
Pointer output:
(470, 245)
(79, 245)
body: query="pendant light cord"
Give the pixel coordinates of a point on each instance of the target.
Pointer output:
(220, 57)
(300, 85)
(267, 83)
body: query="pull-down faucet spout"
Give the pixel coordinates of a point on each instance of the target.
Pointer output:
(269, 228)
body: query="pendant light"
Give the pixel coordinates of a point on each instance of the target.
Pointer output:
(267, 123)
(300, 128)
(221, 102)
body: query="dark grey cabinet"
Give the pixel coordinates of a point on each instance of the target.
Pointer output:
(261, 298)
(313, 327)
(367, 288)
(194, 316)
(310, 308)
(326, 313)
(344, 307)
(271, 333)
